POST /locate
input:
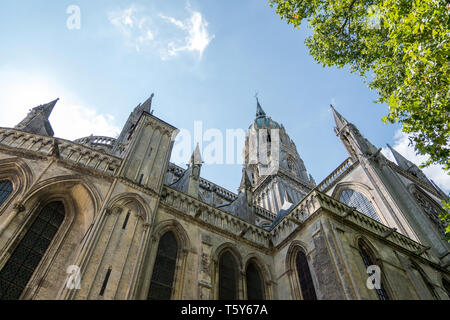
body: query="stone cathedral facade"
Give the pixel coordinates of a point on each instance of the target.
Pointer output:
(104, 218)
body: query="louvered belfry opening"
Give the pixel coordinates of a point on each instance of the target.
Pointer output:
(161, 285)
(18, 270)
(255, 286)
(368, 260)
(6, 189)
(304, 276)
(228, 277)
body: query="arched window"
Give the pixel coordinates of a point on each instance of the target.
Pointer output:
(5, 190)
(255, 285)
(356, 199)
(228, 277)
(368, 260)
(161, 285)
(304, 276)
(26, 257)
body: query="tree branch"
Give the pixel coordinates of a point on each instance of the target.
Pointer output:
(347, 18)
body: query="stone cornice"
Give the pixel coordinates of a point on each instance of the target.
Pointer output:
(211, 227)
(217, 218)
(70, 153)
(317, 202)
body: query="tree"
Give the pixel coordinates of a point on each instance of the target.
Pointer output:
(402, 50)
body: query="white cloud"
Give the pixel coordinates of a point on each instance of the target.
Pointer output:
(70, 119)
(434, 172)
(134, 28)
(198, 37)
(145, 30)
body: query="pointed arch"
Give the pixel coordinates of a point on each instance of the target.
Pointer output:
(80, 200)
(134, 201)
(183, 247)
(227, 272)
(369, 258)
(161, 284)
(228, 246)
(358, 195)
(59, 184)
(254, 282)
(19, 175)
(264, 273)
(300, 275)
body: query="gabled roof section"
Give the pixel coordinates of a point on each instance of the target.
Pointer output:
(37, 120)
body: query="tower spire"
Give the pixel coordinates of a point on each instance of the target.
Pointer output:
(355, 143)
(196, 157)
(131, 123)
(259, 110)
(246, 182)
(409, 166)
(37, 120)
(401, 160)
(340, 121)
(147, 105)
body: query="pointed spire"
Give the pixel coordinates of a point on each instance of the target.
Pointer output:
(259, 110)
(341, 122)
(131, 123)
(311, 179)
(37, 120)
(401, 160)
(196, 157)
(147, 105)
(409, 166)
(246, 182)
(48, 108)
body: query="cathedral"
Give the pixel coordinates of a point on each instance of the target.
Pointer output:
(102, 218)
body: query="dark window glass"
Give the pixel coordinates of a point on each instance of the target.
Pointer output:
(255, 288)
(369, 261)
(227, 277)
(5, 190)
(304, 276)
(26, 257)
(164, 269)
(356, 199)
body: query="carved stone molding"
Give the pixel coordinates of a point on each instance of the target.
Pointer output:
(19, 207)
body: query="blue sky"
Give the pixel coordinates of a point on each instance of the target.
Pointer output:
(204, 60)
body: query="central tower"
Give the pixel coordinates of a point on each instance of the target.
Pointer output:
(277, 172)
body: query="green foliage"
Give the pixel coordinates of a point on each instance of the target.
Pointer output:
(400, 47)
